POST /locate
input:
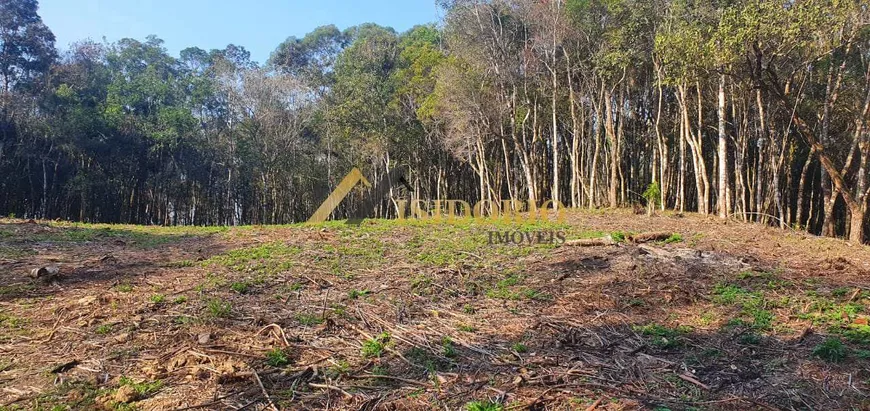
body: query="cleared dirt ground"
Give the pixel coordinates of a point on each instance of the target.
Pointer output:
(424, 315)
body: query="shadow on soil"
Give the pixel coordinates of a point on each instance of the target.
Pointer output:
(108, 255)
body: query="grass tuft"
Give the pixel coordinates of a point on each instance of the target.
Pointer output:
(375, 347)
(832, 350)
(484, 406)
(218, 308)
(277, 357)
(661, 336)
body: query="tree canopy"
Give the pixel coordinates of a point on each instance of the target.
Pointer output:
(745, 108)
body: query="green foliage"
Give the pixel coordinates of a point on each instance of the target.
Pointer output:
(355, 294)
(752, 304)
(506, 289)
(447, 347)
(750, 339)
(375, 347)
(277, 357)
(241, 287)
(271, 258)
(103, 329)
(674, 238)
(12, 322)
(618, 236)
(484, 406)
(157, 298)
(307, 319)
(653, 194)
(857, 333)
(218, 308)
(143, 389)
(831, 350)
(661, 336)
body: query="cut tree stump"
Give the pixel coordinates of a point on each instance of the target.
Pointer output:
(47, 274)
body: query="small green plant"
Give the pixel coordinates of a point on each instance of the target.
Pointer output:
(536, 295)
(840, 292)
(466, 328)
(183, 320)
(143, 389)
(181, 264)
(652, 195)
(158, 298)
(277, 357)
(341, 367)
(750, 339)
(447, 347)
(727, 293)
(858, 333)
(218, 308)
(308, 319)
(7, 321)
(124, 288)
(519, 347)
(468, 309)
(706, 319)
(103, 329)
(484, 406)
(241, 287)
(355, 294)
(618, 236)
(375, 347)
(832, 350)
(179, 300)
(674, 238)
(663, 337)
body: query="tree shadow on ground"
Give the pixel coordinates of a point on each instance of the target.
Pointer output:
(107, 255)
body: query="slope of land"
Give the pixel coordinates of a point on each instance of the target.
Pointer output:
(423, 315)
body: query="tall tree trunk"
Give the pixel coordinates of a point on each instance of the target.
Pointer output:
(799, 219)
(723, 153)
(614, 146)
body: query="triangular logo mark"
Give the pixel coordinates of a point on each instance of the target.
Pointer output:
(347, 184)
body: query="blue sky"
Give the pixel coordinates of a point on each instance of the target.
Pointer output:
(258, 25)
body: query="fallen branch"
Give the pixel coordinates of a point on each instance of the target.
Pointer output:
(215, 351)
(595, 404)
(65, 367)
(331, 387)
(214, 401)
(692, 380)
(648, 237)
(591, 242)
(265, 393)
(388, 377)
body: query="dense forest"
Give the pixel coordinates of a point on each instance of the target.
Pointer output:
(749, 109)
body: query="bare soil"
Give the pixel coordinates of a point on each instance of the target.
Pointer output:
(415, 315)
